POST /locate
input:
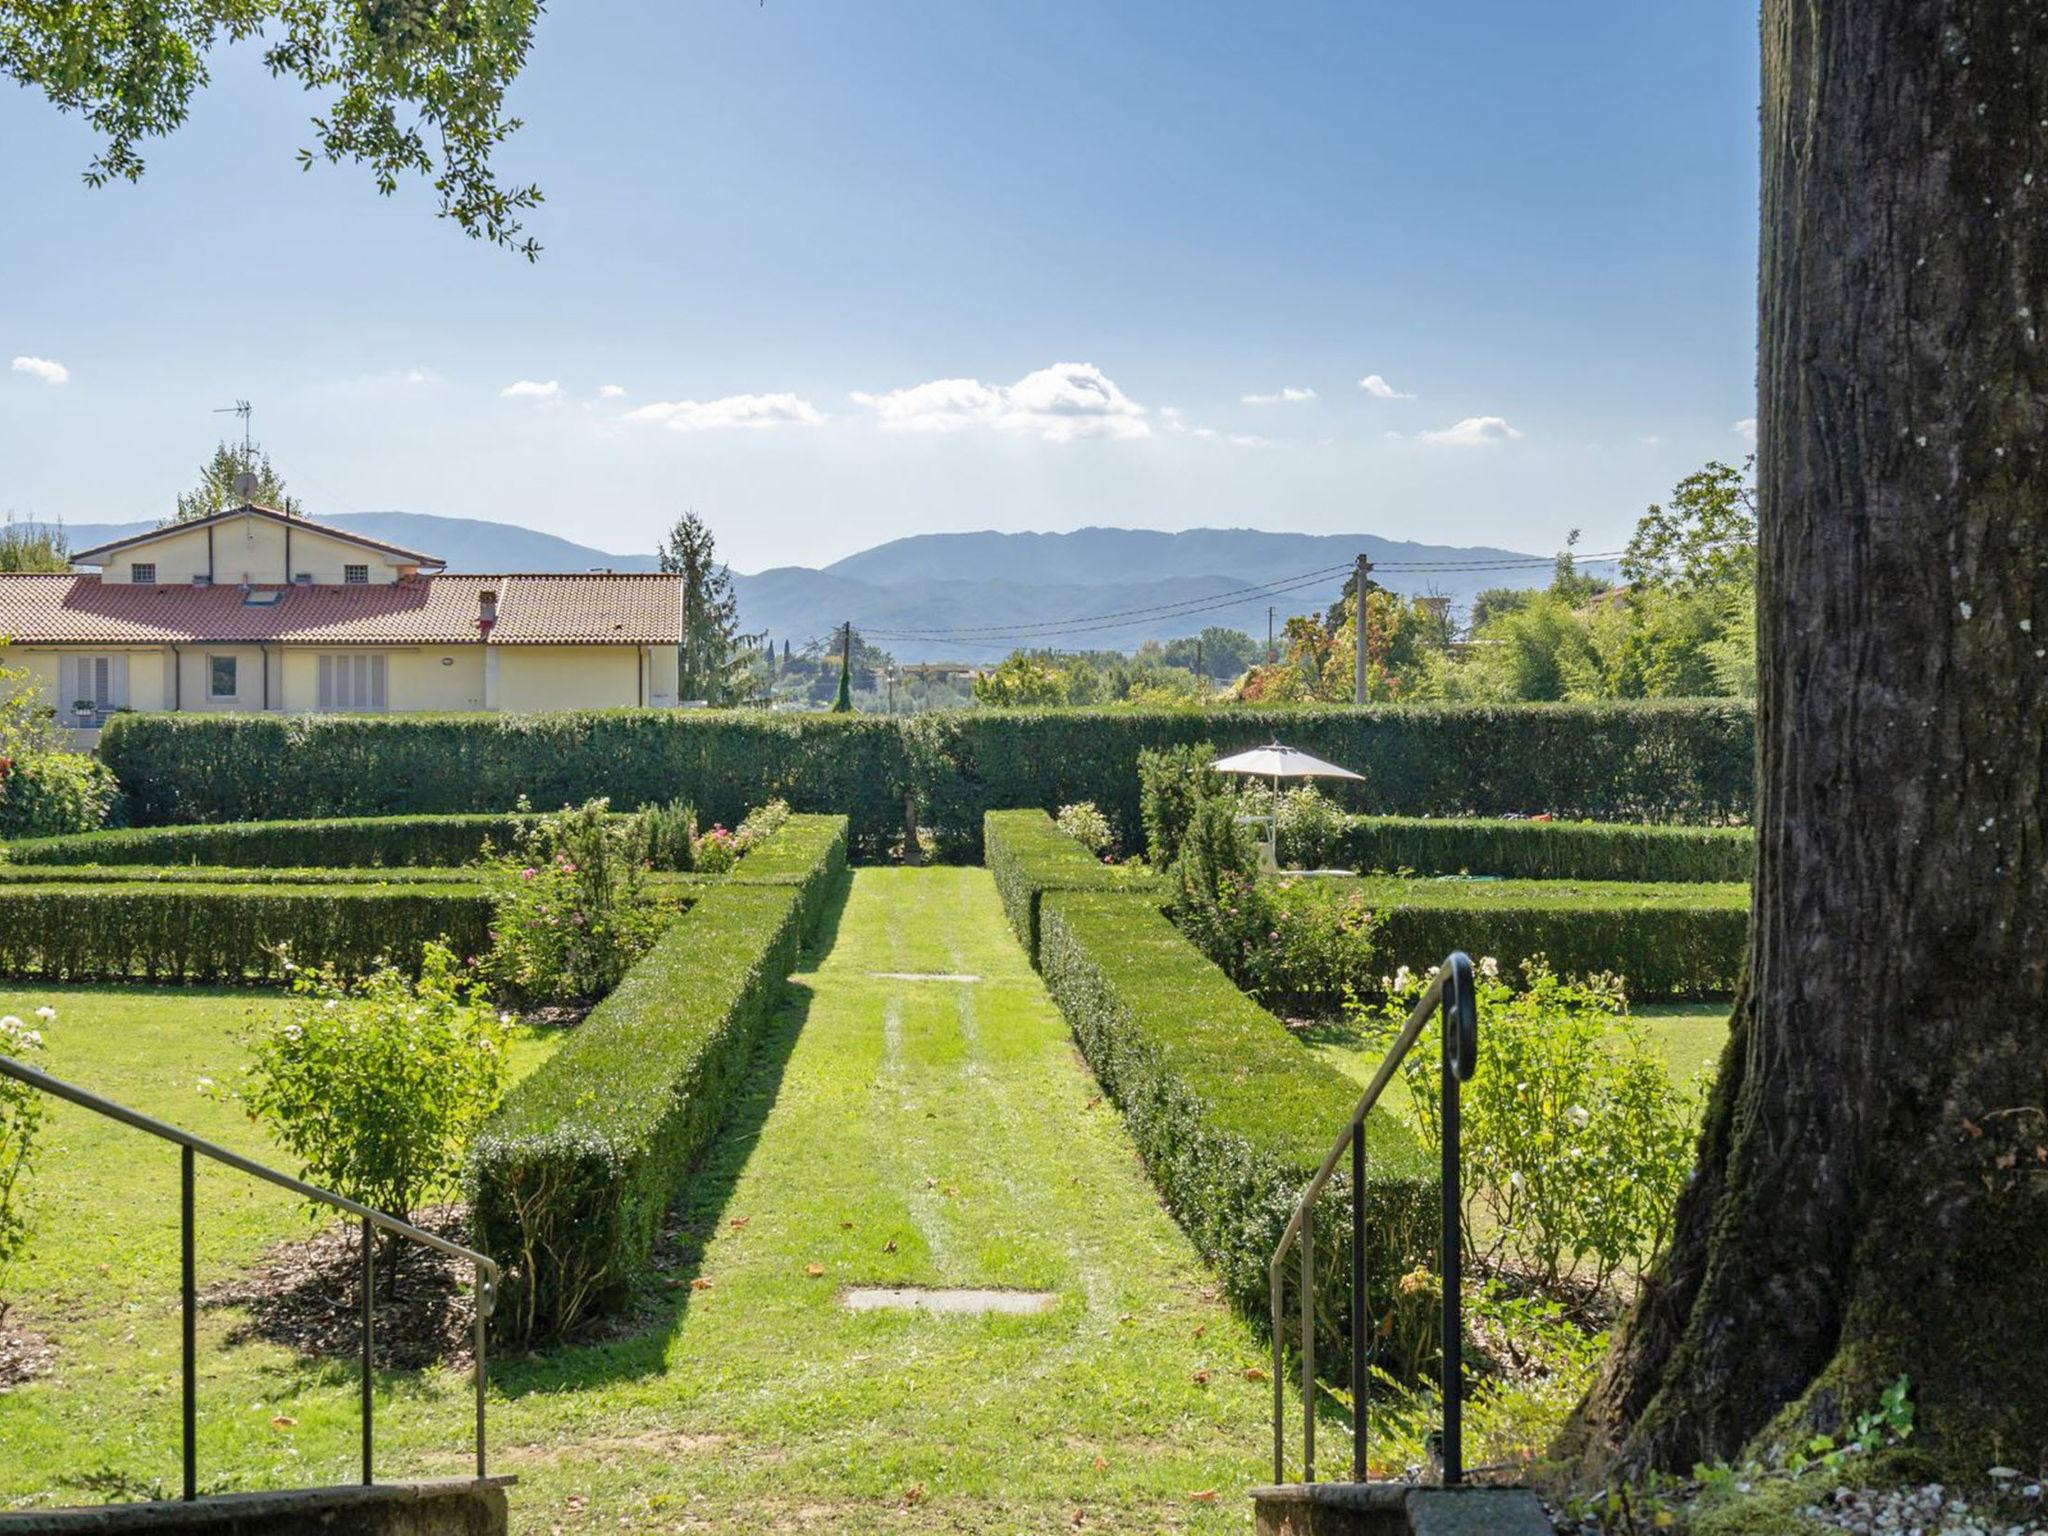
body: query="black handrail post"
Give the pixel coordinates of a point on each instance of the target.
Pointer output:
(369, 1294)
(1359, 1386)
(1454, 1332)
(188, 1303)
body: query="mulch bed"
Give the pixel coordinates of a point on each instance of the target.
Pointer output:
(307, 1295)
(24, 1355)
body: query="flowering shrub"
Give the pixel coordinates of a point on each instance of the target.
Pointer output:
(21, 1117)
(1286, 943)
(1087, 826)
(718, 850)
(1311, 830)
(1583, 1140)
(376, 1085)
(572, 908)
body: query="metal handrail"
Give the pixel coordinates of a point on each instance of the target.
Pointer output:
(1450, 991)
(486, 1272)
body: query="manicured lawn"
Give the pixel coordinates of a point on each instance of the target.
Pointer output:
(897, 1132)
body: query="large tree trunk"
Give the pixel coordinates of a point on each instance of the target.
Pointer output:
(1873, 1191)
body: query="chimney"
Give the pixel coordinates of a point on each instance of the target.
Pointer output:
(486, 610)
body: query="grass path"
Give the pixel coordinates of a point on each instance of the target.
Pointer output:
(898, 1131)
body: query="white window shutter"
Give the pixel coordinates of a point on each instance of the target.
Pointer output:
(67, 683)
(326, 682)
(120, 691)
(376, 682)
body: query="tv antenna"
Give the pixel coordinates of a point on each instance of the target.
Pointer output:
(245, 410)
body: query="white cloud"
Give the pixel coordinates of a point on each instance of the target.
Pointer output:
(1058, 404)
(43, 368)
(418, 375)
(1287, 396)
(1744, 429)
(611, 392)
(1472, 432)
(1380, 389)
(734, 412)
(529, 389)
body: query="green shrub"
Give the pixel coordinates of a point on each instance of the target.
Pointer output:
(1028, 855)
(1684, 761)
(669, 836)
(1172, 781)
(1578, 1139)
(205, 874)
(571, 908)
(376, 1084)
(1087, 826)
(21, 1120)
(164, 932)
(50, 793)
(1664, 941)
(1311, 829)
(1540, 850)
(1231, 1114)
(1286, 953)
(568, 1181)
(333, 842)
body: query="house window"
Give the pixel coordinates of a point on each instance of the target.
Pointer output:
(356, 575)
(220, 677)
(352, 680)
(143, 573)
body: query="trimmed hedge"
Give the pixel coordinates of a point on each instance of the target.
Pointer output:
(1667, 942)
(1028, 855)
(332, 842)
(1688, 761)
(569, 1179)
(1231, 1114)
(226, 933)
(215, 874)
(1547, 850)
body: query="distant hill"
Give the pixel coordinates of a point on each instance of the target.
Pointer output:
(992, 592)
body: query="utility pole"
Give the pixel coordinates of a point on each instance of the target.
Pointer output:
(1271, 654)
(1198, 657)
(1359, 580)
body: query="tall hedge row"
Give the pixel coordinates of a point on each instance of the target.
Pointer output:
(569, 1179)
(1231, 1114)
(1689, 761)
(1554, 850)
(1027, 855)
(165, 932)
(333, 842)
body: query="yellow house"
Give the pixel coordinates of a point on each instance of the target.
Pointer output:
(251, 609)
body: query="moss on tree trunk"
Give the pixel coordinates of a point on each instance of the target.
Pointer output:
(1873, 1190)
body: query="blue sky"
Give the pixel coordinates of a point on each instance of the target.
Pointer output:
(859, 270)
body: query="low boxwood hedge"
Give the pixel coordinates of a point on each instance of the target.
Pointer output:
(569, 1179)
(169, 932)
(1029, 855)
(1231, 1113)
(1667, 941)
(332, 842)
(218, 874)
(1546, 850)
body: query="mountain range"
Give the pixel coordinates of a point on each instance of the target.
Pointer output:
(977, 596)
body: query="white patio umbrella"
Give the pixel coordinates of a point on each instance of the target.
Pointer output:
(1276, 762)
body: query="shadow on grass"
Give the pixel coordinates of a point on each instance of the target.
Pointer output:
(635, 1343)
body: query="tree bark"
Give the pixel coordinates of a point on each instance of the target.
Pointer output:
(1872, 1196)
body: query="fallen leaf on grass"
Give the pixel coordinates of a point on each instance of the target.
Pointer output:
(846, 1226)
(1202, 1328)
(284, 1421)
(1079, 1515)
(1201, 1378)
(739, 1221)
(953, 1190)
(1206, 1496)
(1253, 1373)
(1102, 1463)
(1093, 1102)
(913, 1495)
(1128, 1317)
(889, 1246)
(814, 1270)
(700, 1284)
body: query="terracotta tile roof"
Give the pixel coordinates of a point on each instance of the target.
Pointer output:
(92, 556)
(540, 609)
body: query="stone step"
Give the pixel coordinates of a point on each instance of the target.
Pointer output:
(437, 1507)
(1396, 1509)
